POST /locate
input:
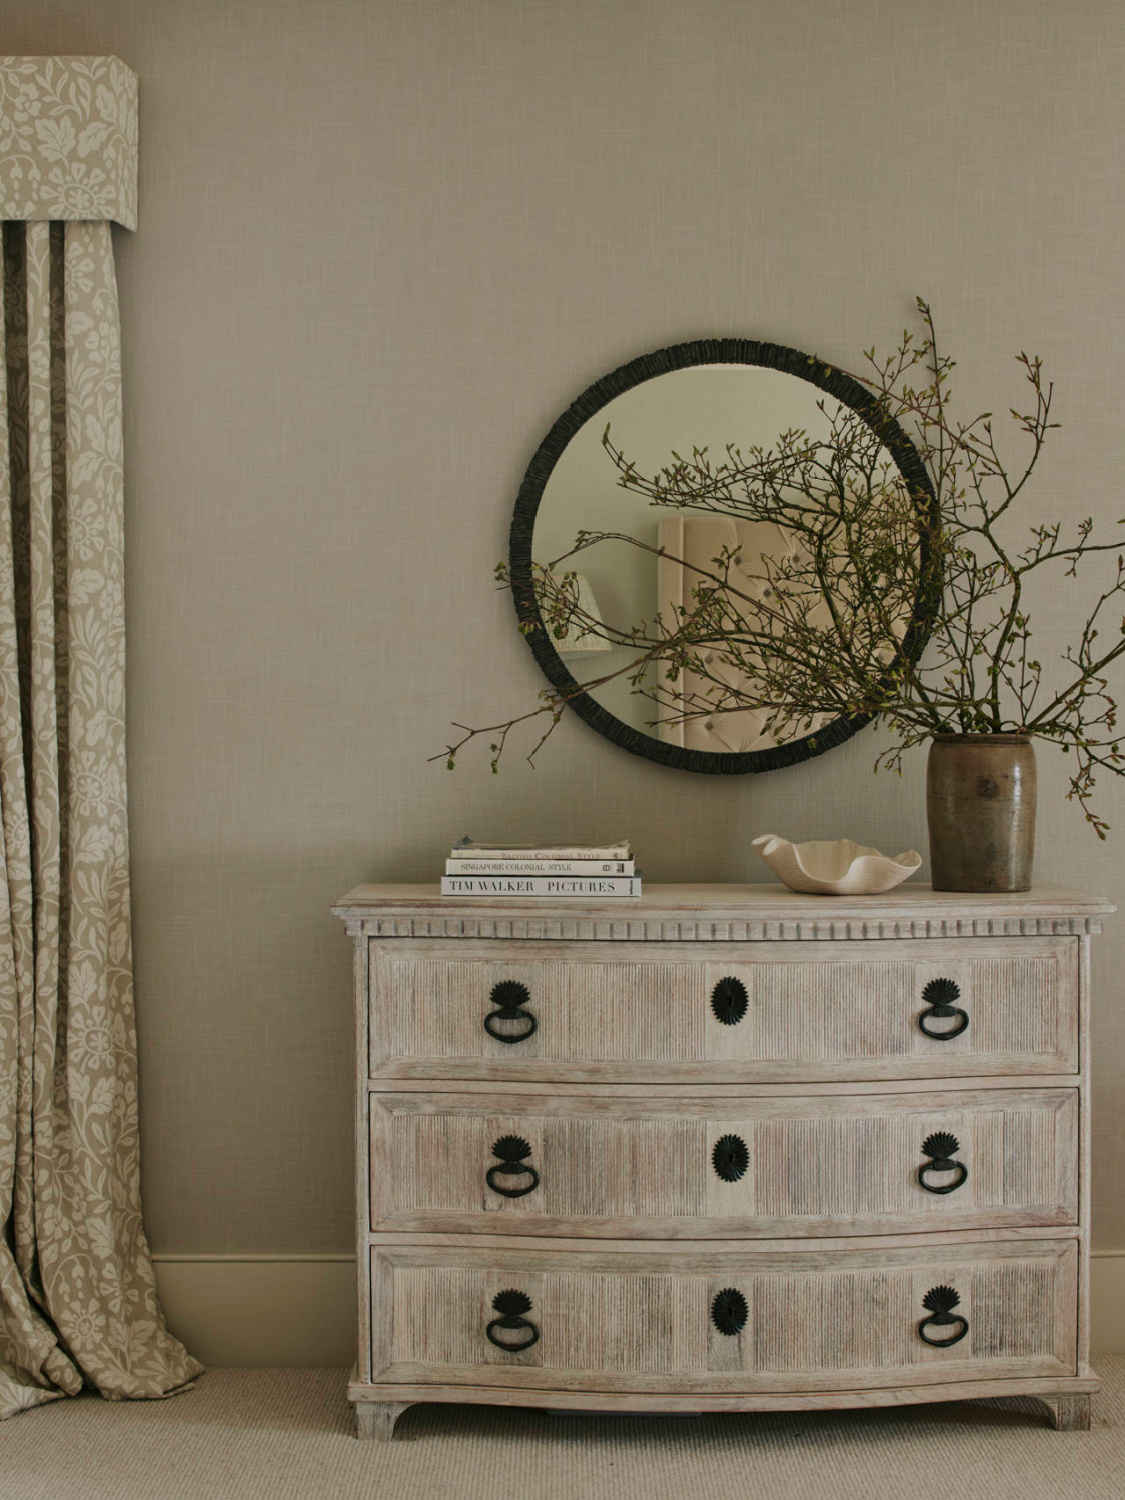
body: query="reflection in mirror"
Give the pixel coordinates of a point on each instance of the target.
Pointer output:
(711, 504)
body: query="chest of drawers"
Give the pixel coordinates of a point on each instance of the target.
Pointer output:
(724, 1148)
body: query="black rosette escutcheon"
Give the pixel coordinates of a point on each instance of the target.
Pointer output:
(729, 1000)
(730, 1158)
(729, 1311)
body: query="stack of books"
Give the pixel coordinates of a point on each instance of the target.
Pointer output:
(541, 870)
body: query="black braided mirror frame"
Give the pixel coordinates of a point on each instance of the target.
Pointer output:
(806, 367)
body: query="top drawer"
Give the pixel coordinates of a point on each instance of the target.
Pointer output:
(736, 1012)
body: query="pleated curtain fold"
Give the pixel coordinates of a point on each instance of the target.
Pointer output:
(78, 1303)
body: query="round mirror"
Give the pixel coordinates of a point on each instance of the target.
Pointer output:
(630, 514)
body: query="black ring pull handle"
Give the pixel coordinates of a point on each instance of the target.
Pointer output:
(941, 1149)
(511, 1305)
(939, 995)
(511, 1149)
(509, 998)
(939, 1303)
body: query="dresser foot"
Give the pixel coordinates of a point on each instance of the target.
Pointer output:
(375, 1420)
(1069, 1413)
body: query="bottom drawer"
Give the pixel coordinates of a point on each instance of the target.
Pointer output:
(699, 1321)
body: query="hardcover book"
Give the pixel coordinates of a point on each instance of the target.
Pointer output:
(466, 849)
(540, 885)
(539, 867)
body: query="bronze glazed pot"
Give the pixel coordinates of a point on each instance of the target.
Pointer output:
(980, 803)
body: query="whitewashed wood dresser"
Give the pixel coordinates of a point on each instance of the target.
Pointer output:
(723, 1148)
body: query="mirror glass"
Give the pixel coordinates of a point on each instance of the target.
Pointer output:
(574, 486)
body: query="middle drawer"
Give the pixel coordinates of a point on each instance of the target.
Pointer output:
(711, 1167)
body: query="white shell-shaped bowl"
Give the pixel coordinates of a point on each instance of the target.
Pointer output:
(836, 867)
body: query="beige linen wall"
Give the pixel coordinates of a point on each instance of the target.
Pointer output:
(381, 244)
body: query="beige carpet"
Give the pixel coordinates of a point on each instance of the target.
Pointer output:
(280, 1434)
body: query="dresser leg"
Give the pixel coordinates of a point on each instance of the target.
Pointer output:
(375, 1420)
(1070, 1413)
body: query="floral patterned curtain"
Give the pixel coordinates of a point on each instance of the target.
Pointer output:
(78, 1301)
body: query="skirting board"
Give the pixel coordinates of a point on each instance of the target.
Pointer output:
(300, 1309)
(271, 1310)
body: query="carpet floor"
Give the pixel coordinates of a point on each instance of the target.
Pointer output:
(288, 1435)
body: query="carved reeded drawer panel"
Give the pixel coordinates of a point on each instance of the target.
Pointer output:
(707, 1167)
(603, 1012)
(721, 1148)
(632, 1321)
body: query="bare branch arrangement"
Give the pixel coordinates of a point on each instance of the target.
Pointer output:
(820, 630)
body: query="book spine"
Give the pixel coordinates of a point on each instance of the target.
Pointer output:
(540, 885)
(539, 867)
(612, 851)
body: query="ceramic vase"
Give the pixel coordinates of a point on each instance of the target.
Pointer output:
(980, 804)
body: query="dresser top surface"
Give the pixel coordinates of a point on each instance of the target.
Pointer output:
(911, 902)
